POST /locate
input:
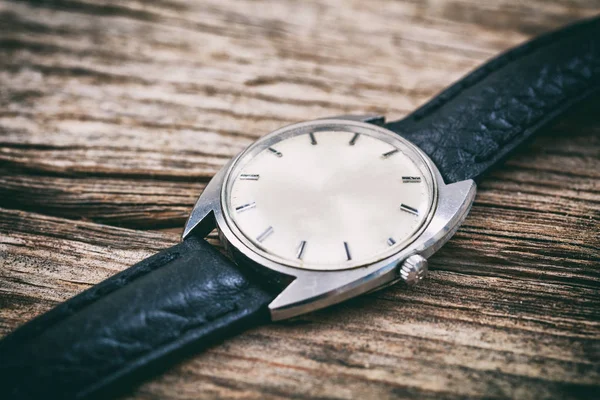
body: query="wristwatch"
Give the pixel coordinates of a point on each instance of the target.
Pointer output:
(311, 214)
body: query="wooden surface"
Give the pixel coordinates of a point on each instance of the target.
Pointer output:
(115, 114)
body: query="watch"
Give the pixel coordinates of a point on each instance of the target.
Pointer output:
(310, 215)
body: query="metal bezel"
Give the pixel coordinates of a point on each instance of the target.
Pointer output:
(311, 289)
(410, 150)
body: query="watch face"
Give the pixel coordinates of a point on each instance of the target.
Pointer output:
(329, 195)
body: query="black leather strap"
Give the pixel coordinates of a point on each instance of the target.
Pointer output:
(101, 339)
(479, 120)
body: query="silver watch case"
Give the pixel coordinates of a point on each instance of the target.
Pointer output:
(312, 290)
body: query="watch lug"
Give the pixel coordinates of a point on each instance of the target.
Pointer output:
(203, 227)
(202, 219)
(312, 290)
(375, 119)
(455, 203)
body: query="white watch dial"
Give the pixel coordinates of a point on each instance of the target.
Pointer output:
(329, 199)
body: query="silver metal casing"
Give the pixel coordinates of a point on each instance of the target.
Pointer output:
(312, 289)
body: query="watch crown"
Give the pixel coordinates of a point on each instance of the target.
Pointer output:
(413, 269)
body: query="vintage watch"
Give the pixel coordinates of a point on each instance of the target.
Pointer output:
(311, 215)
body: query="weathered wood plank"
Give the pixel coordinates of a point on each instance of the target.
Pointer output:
(118, 113)
(140, 202)
(467, 332)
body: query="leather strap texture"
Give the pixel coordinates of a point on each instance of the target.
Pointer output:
(478, 121)
(134, 324)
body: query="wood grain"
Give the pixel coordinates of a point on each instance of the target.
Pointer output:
(115, 114)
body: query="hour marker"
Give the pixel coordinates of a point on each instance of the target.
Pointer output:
(313, 141)
(245, 207)
(354, 139)
(348, 256)
(391, 242)
(277, 153)
(408, 209)
(260, 238)
(411, 179)
(390, 153)
(249, 177)
(300, 252)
